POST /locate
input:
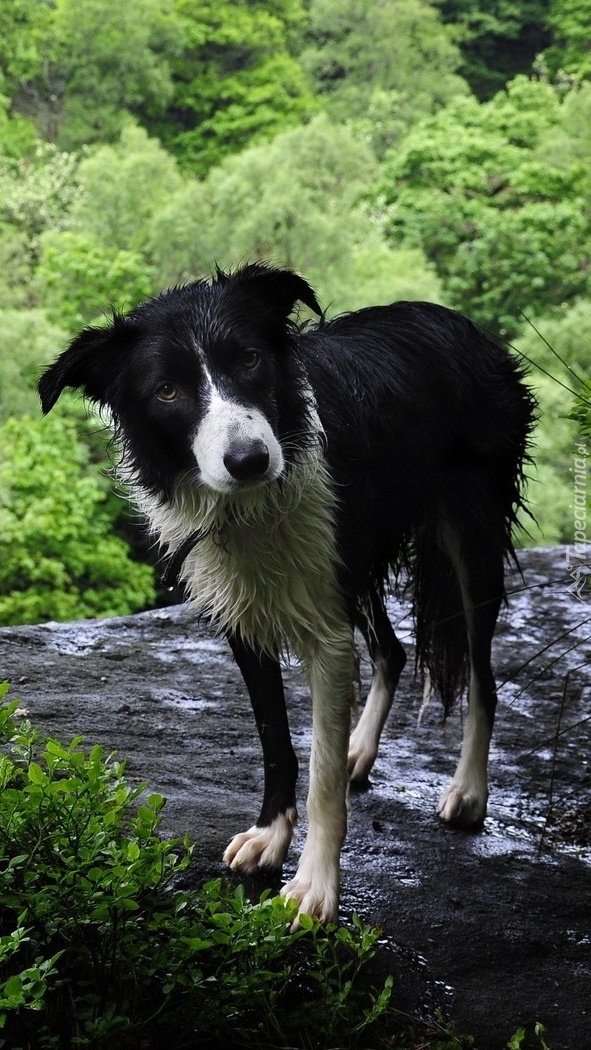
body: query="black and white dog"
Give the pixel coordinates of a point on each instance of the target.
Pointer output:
(287, 471)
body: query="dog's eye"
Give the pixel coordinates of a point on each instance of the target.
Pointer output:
(166, 392)
(250, 359)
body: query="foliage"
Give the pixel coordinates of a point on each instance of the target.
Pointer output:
(549, 489)
(293, 201)
(62, 558)
(492, 217)
(28, 342)
(123, 185)
(89, 908)
(569, 52)
(83, 65)
(36, 191)
(78, 278)
(566, 143)
(235, 79)
(397, 46)
(581, 410)
(498, 40)
(516, 1040)
(555, 351)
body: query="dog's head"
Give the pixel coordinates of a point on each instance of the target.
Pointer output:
(204, 379)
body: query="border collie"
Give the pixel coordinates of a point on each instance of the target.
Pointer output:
(288, 470)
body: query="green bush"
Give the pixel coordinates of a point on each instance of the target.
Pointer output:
(98, 948)
(62, 558)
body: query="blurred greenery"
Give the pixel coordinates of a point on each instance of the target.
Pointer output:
(62, 558)
(428, 149)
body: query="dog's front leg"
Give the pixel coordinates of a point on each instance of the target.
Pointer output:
(265, 845)
(316, 885)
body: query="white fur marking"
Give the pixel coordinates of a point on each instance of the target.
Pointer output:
(224, 423)
(262, 847)
(464, 801)
(266, 564)
(365, 738)
(316, 884)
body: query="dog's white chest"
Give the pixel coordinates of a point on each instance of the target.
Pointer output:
(266, 569)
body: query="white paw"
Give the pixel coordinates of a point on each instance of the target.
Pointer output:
(262, 847)
(316, 884)
(360, 759)
(314, 897)
(463, 805)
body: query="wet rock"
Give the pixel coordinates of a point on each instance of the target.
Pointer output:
(496, 926)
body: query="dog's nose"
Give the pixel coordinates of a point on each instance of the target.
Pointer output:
(247, 462)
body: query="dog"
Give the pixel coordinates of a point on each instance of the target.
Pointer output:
(290, 471)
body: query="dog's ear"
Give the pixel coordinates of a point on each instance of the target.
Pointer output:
(90, 363)
(281, 289)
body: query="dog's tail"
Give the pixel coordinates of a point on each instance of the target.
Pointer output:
(440, 623)
(466, 535)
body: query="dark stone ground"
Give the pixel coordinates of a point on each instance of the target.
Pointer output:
(496, 927)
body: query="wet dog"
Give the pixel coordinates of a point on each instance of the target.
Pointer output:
(288, 470)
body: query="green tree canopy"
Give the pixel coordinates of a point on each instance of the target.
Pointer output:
(78, 278)
(122, 186)
(235, 81)
(61, 558)
(28, 342)
(498, 39)
(467, 186)
(293, 201)
(570, 21)
(400, 46)
(79, 67)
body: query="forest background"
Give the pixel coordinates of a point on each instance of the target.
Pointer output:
(386, 149)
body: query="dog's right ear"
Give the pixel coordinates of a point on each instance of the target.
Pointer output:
(91, 363)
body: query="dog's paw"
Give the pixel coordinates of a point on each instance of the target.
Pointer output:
(314, 897)
(463, 806)
(262, 847)
(316, 885)
(360, 760)
(363, 751)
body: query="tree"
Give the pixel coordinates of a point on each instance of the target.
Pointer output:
(78, 279)
(498, 39)
(571, 47)
(357, 49)
(293, 201)
(235, 81)
(80, 67)
(37, 191)
(28, 342)
(491, 215)
(121, 187)
(61, 558)
(566, 144)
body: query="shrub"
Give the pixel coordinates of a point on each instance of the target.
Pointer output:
(98, 948)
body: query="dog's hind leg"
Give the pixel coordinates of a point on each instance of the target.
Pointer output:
(265, 845)
(479, 570)
(388, 659)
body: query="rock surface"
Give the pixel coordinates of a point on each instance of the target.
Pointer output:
(496, 927)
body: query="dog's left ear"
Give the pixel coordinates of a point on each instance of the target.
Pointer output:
(282, 289)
